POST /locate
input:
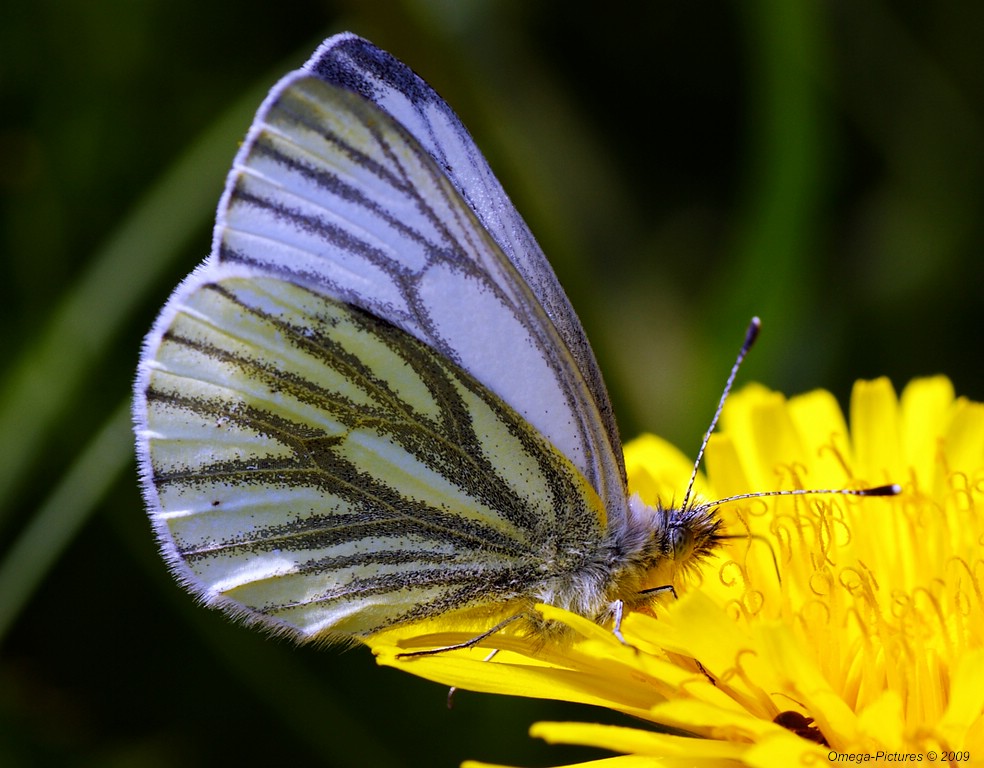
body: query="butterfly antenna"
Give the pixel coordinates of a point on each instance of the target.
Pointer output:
(750, 335)
(892, 489)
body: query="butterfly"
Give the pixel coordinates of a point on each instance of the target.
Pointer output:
(373, 403)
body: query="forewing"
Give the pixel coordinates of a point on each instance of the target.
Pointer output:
(314, 469)
(410, 224)
(357, 65)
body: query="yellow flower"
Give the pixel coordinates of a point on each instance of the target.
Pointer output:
(829, 624)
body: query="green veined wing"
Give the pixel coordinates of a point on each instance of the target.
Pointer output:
(320, 471)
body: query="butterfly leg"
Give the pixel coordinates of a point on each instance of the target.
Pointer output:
(669, 588)
(468, 643)
(454, 689)
(656, 590)
(618, 608)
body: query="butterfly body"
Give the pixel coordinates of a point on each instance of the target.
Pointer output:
(373, 403)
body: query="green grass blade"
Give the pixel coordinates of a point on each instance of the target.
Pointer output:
(40, 386)
(63, 513)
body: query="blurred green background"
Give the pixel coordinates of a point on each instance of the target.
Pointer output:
(684, 164)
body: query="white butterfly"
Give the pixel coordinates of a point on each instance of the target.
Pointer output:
(373, 402)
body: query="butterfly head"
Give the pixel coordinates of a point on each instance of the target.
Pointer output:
(692, 533)
(669, 540)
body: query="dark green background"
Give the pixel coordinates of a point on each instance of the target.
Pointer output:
(684, 164)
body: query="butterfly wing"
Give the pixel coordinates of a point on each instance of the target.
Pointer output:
(320, 472)
(358, 66)
(381, 226)
(332, 200)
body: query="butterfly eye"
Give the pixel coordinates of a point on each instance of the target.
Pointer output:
(681, 541)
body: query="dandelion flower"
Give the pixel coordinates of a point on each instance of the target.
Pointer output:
(828, 625)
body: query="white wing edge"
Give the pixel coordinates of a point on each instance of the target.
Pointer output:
(206, 272)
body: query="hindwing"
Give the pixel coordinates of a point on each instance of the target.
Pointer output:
(320, 468)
